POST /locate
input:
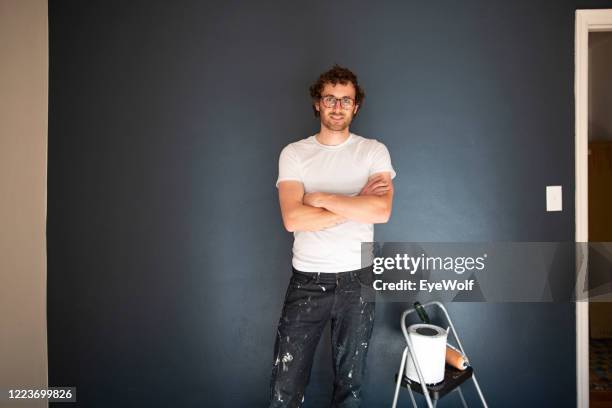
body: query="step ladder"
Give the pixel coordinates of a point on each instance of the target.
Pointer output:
(453, 378)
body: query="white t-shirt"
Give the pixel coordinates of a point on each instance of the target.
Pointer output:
(340, 169)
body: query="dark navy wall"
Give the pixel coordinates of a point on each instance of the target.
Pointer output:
(167, 258)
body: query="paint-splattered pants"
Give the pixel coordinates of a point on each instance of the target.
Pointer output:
(311, 300)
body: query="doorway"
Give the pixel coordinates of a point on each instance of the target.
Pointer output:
(600, 212)
(593, 178)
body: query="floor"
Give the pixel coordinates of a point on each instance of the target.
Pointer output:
(600, 367)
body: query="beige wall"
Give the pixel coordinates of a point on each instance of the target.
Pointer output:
(23, 192)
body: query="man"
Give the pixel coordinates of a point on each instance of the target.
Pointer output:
(333, 186)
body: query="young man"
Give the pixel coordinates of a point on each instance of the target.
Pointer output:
(333, 187)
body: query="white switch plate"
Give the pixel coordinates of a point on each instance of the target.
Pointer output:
(554, 201)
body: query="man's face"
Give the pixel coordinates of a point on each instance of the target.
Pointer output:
(337, 117)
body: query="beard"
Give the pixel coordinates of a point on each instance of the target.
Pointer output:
(336, 125)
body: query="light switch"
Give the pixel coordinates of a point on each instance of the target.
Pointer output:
(554, 201)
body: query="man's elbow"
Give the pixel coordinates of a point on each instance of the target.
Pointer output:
(289, 224)
(292, 224)
(292, 227)
(383, 215)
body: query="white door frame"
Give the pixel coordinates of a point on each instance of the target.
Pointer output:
(586, 21)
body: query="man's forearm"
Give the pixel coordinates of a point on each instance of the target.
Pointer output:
(308, 218)
(368, 209)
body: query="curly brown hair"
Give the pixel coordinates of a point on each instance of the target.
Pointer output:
(337, 74)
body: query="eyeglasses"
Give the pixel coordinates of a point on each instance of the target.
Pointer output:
(345, 102)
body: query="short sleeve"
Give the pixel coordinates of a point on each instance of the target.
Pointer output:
(288, 165)
(381, 160)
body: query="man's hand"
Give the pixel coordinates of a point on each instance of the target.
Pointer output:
(377, 185)
(300, 217)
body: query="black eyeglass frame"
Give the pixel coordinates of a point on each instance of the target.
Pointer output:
(342, 105)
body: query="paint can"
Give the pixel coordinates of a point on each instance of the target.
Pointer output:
(429, 347)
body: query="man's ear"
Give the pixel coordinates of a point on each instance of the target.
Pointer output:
(356, 109)
(315, 103)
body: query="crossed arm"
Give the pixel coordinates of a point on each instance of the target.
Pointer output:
(317, 211)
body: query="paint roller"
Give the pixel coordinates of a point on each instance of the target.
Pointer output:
(454, 357)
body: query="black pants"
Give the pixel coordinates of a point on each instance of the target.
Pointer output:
(311, 300)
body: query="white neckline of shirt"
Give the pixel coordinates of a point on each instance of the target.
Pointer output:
(333, 147)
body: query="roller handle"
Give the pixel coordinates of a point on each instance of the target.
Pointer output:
(421, 312)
